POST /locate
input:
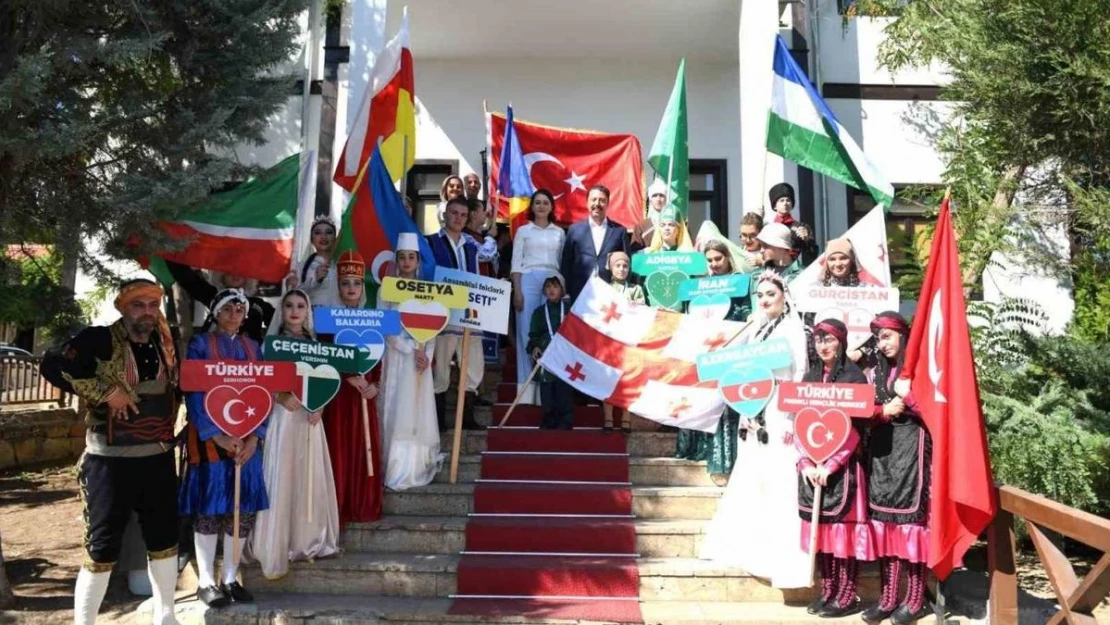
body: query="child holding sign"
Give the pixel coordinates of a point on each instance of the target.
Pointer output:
(406, 406)
(844, 535)
(555, 395)
(358, 488)
(287, 531)
(209, 484)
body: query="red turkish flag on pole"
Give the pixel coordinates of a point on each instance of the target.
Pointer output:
(941, 370)
(568, 162)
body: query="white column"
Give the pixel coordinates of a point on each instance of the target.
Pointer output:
(759, 25)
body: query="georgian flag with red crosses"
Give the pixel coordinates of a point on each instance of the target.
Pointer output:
(639, 358)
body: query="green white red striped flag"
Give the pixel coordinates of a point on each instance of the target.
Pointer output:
(247, 231)
(803, 129)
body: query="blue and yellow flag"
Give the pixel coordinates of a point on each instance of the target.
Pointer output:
(514, 183)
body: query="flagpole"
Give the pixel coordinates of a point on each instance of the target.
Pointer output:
(814, 519)
(459, 404)
(524, 388)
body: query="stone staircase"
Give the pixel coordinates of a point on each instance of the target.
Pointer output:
(402, 569)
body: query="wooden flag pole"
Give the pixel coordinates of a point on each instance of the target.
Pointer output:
(814, 520)
(235, 518)
(308, 472)
(456, 446)
(369, 441)
(519, 394)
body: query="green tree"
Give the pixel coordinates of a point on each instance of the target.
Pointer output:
(1030, 90)
(117, 114)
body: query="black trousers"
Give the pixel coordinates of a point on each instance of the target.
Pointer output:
(112, 488)
(558, 409)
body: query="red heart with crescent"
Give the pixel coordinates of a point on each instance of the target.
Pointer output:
(238, 411)
(821, 433)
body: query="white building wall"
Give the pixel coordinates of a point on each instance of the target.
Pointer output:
(618, 96)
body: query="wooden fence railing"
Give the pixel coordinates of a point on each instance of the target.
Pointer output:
(20, 383)
(1077, 598)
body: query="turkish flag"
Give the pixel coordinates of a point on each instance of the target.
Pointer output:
(941, 370)
(568, 162)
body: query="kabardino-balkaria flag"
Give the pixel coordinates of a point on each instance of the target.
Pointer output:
(803, 129)
(639, 358)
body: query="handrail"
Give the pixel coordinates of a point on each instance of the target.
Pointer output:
(1077, 598)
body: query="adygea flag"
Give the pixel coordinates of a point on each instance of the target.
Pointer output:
(802, 128)
(247, 231)
(387, 113)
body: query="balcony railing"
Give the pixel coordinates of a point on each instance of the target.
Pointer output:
(20, 383)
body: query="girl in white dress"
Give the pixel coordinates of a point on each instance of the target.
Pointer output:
(756, 526)
(318, 277)
(537, 250)
(302, 522)
(406, 405)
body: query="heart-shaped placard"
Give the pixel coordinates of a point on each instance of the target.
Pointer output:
(710, 307)
(238, 411)
(319, 385)
(821, 433)
(423, 320)
(662, 288)
(747, 389)
(370, 342)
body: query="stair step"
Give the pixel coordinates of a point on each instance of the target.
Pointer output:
(531, 415)
(283, 608)
(648, 502)
(447, 535)
(428, 575)
(648, 444)
(523, 466)
(547, 576)
(510, 498)
(642, 471)
(585, 441)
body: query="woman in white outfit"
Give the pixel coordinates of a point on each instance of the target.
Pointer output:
(756, 526)
(302, 522)
(406, 405)
(317, 277)
(537, 249)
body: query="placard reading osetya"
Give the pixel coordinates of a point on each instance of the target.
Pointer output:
(488, 307)
(404, 289)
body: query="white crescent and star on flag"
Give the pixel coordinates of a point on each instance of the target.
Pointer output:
(575, 182)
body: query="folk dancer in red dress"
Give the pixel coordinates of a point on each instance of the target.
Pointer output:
(359, 495)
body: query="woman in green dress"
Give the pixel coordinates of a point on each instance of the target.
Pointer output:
(718, 449)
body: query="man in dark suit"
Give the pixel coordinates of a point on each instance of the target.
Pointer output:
(589, 242)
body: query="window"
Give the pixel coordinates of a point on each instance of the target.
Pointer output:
(904, 223)
(708, 194)
(422, 187)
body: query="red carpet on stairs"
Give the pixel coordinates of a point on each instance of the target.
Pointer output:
(530, 416)
(552, 533)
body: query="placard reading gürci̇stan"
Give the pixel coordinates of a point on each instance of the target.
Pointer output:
(404, 289)
(488, 308)
(816, 298)
(689, 263)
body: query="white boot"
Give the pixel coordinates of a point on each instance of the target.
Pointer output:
(205, 545)
(163, 580)
(88, 595)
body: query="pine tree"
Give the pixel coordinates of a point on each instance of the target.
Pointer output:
(117, 114)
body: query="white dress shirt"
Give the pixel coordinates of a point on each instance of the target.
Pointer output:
(536, 248)
(598, 233)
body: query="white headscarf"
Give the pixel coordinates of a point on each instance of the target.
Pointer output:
(276, 327)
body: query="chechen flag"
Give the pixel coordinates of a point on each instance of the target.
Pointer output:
(639, 358)
(941, 370)
(567, 163)
(387, 113)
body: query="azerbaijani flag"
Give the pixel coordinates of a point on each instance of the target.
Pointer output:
(387, 113)
(803, 129)
(514, 182)
(247, 231)
(372, 222)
